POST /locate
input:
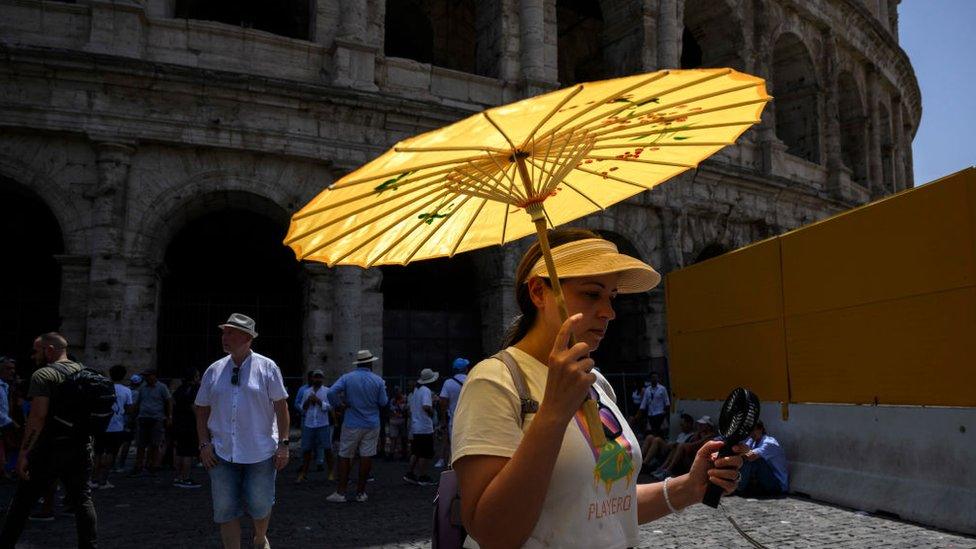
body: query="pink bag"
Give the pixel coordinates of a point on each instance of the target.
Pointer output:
(449, 532)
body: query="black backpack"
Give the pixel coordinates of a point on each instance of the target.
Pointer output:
(83, 404)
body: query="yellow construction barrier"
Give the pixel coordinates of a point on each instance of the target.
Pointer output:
(876, 305)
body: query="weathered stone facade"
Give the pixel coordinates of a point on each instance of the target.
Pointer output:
(128, 123)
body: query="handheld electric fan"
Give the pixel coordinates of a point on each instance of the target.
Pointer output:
(737, 419)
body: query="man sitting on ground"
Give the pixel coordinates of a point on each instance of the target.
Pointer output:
(764, 471)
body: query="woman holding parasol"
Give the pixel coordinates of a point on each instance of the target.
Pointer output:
(542, 478)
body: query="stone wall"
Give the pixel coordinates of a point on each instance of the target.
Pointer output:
(129, 122)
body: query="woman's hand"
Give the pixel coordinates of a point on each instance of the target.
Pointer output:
(569, 374)
(710, 469)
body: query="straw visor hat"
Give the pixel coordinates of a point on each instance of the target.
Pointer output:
(594, 257)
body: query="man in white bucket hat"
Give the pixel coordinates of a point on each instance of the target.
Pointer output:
(242, 422)
(365, 394)
(422, 429)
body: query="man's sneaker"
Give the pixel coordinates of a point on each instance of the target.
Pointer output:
(107, 485)
(336, 497)
(362, 497)
(185, 483)
(439, 464)
(41, 517)
(411, 478)
(425, 480)
(370, 478)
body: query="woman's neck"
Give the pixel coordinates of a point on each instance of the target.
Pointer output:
(537, 343)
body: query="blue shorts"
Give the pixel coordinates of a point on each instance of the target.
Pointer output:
(316, 438)
(234, 485)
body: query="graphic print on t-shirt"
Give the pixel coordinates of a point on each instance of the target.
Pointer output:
(613, 460)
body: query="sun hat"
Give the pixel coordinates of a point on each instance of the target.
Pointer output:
(241, 322)
(364, 357)
(427, 376)
(594, 257)
(460, 363)
(704, 420)
(317, 373)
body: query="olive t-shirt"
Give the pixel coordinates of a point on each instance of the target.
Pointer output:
(45, 379)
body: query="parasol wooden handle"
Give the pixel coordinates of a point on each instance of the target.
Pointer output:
(589, 407)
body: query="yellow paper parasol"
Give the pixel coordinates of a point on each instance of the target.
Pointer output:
(513, 170)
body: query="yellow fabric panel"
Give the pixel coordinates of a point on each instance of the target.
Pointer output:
(912, 350)
(708, 364)
(737, 288)
(915, 242)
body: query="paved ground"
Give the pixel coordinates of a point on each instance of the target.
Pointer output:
(149, 514)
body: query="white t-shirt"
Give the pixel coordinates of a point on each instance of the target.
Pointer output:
(592, 498)
(123, 398)
(317, 415)
(420, 422)
(242, 420)
(655, 400)
(451, 390)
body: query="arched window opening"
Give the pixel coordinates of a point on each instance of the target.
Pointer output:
(691, 52)
(598, 40)
(797, 98)
(30, 279)
(229, 260)
(286, 17)
(712, 35)
(454, 34)
(430, 316)
(853, 128)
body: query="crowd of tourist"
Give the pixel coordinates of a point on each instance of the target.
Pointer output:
(192, 422)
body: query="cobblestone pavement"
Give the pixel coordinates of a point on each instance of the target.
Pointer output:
(150, 513)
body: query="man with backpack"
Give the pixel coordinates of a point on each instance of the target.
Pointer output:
(450, 392)
(67, 406)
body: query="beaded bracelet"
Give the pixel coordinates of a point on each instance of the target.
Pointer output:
(667, 500)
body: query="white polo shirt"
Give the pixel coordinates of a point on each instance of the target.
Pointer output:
(242, 421)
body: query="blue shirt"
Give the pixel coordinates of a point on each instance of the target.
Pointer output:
(4, 405)
(768, 449)
(365, 395)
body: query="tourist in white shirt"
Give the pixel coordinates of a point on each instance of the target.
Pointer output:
(107, 444)
(657, 448)
(450, 392)
(422, 429)
(655, 404)
(316, 423)
(242, 421)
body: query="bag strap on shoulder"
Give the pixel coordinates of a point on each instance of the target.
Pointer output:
(529, 405)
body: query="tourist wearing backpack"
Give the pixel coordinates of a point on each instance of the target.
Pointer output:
(57, 437)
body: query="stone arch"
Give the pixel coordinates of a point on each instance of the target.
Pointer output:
(31, 238)
(886, 136)
(712, 35)
(462, 35)
(853, 128)
(291, 18)
(60, 203)
(797, 97)
(221, 253)
(597, 39)
(195, 195)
